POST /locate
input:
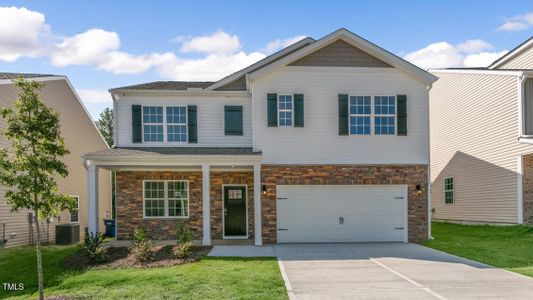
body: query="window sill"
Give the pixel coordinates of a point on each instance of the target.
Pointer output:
(164, 218)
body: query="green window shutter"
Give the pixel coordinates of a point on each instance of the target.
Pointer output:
(402, 114)
(232, 120)
(343, 114)
(272, 110)
(136, 124)
(298, 110)
(192, 123)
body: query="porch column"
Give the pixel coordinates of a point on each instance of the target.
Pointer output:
(257, 205)
(206, 205)
(92, 195)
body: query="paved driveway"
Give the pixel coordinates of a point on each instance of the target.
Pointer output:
(392, 271)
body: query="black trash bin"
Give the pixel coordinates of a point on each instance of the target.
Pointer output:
(109, 227)
(67, 234)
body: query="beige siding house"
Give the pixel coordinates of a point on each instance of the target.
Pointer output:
(80, 135)
(481, 125)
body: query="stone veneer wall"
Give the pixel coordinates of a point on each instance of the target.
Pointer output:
(527, 188)
(130, 203)
(272, 175)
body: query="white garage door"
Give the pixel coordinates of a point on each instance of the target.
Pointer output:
(341, 213)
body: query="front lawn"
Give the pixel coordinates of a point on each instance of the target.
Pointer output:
(507, 247)
(210, 278)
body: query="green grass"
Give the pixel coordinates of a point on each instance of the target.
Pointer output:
(507, 247)
(210, 278)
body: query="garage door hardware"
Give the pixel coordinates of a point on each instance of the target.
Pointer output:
(341, 220)
(281, 198)
(282, 229)
(398, 228)
(398, 197)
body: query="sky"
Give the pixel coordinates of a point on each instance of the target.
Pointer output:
(106, 44)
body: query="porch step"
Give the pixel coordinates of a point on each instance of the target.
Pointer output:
(232, 242)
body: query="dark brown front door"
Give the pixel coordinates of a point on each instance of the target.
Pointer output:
(234, 211)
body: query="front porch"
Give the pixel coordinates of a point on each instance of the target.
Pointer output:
(216, 194)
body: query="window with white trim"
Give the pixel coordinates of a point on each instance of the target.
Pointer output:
(285, 110)
(166, 199)
(385, 115)
(449, 197)
(176, 123)
(74, 213)
(360, 113)
(153, 123)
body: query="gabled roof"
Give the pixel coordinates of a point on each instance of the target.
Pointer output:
(356, 41)
(265, 61)
(512, 54)
(166, 85)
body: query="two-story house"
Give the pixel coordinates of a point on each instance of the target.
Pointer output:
(324, 141)
(481, 141)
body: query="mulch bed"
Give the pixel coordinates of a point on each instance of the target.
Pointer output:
(118, 257)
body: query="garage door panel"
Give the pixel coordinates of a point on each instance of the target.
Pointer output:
(369, 213)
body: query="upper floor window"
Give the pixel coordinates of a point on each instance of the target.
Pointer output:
(384, 114)
(285, 110)
(153, 123)
(449, 196)
(360, 112)
(176, 124)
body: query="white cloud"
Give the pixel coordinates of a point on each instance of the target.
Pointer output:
(21, 33)
(279, 44)
(94, 96)
(445, 55)
(219, 42)
(517, 23)
(91, 47)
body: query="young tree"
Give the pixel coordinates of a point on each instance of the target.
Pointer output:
(28, 171)
(105, 125)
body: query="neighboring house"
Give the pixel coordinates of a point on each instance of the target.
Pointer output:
(324, 141)
(482, 141)
(81, 136)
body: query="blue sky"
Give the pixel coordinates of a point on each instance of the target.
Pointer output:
(105, 44)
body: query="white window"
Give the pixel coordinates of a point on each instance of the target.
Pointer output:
(74, 213)
(153, 123)
(360, 113)
(166, 199)
(285, 110)
(449, 197)
(385, 115)
(176, 123)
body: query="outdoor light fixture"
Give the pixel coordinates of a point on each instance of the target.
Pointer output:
(264, 189)
(418, 189)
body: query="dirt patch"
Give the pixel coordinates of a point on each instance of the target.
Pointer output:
(118, 257)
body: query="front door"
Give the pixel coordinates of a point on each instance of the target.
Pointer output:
(234, 211)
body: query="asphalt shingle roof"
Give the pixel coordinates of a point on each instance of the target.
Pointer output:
(163, 151)
(166, 85)
(8, 75)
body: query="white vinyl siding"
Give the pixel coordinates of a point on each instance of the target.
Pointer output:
(523, 60)
(210, 119)
(318, 142)
(474, 138)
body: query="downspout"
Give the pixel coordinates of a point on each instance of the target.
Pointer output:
(521, 122)
(430, 237)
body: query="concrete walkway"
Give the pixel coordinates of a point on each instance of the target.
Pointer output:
(384, 271)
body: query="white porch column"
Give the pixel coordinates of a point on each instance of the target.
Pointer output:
(92, 194)
(257, 205)
(206, 205)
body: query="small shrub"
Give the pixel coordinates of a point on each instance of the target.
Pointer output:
(92, 244)
(183, 250)
(184, 234)
(141, 248)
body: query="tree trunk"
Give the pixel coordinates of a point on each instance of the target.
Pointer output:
(39, 258)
